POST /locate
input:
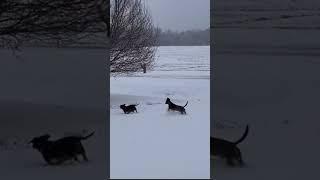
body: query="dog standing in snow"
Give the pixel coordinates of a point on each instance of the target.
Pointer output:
(174, 107)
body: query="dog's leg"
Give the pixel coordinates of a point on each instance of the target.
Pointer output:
(56, 162)
(240, 157)
(85, 156)
(83, 153)
(76, 158)
(230, 162)
(241, 161)
(50, 161)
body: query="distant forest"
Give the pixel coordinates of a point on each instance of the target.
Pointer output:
(184, 38)
(165, 38)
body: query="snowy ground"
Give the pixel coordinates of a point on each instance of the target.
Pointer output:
(270, 79)
(154, 143)
(52, 91)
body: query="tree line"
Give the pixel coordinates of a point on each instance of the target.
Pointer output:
(184, 38)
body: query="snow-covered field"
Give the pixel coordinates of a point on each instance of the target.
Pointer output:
(154, 143)
(268, 78)
(53, 91)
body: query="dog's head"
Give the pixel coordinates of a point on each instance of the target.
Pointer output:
(122, 106)
(168, 101)
(38, 142)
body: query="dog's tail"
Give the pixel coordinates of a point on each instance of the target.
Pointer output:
(86, 137)
(136, 104)
(186, 104)
(245, 134)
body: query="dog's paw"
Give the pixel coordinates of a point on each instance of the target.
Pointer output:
(285, 122)
(45, 165)
(243, 166)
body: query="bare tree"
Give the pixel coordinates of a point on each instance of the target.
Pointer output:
(133, 37)
(47, 20)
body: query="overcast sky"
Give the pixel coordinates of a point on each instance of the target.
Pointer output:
(179, 15)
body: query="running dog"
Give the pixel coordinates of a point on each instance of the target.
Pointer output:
(129, 109)
(174, 107)
(58, 151)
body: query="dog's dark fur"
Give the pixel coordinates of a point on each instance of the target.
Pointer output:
(129, 109)
(61, 150)
(174, 107)
(226, 149)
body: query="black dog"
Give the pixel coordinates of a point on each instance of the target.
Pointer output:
(129, 109)
(61, 150)
(227, 149)
(175, 107)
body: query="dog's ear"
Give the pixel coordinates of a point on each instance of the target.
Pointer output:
(43, 137)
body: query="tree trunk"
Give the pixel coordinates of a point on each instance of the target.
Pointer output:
(144, 67)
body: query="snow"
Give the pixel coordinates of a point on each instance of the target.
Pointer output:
(154, 143)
